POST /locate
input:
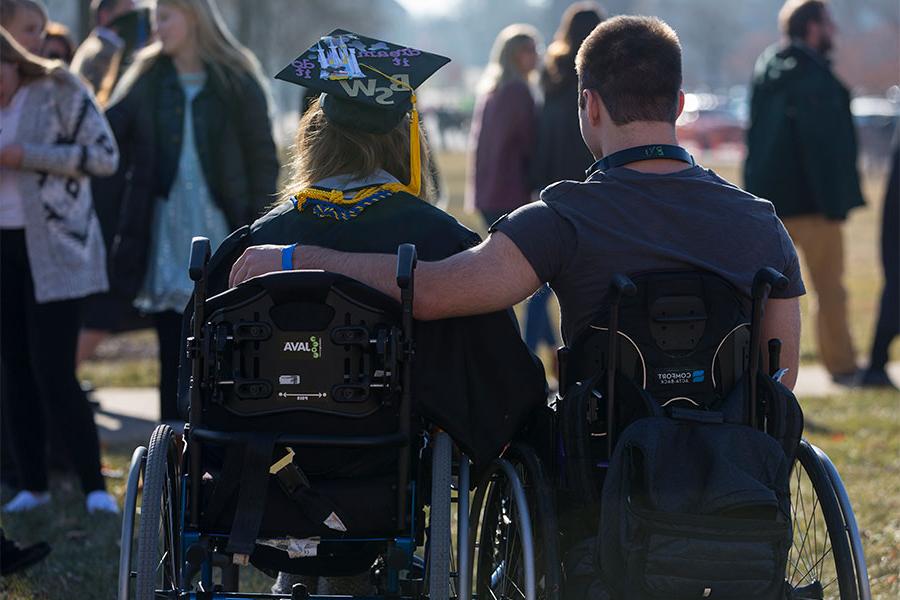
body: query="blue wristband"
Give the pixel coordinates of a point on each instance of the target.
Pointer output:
(287, 257)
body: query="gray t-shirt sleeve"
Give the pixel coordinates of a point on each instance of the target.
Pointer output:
(546, 239)
(791, 268)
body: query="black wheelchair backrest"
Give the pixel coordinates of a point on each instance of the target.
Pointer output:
(683, 337)
(302, 341)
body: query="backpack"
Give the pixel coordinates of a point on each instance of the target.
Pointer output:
(695, 504)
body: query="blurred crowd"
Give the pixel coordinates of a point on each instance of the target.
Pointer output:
(155, 128)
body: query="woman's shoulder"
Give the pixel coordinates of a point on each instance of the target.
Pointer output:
(65, 81)
(442, 224)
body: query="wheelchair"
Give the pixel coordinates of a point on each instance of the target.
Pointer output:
(303, 453)
(686, 341)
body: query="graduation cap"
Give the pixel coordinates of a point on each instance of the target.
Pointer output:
(366, 84)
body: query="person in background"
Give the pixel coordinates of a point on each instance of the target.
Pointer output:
(51, 255)
(191, 118)
(58, 44)
(888, 325)
(801, 156)
(99, 56)
(102, 58)
(502, 137)
(561, 152)
(26, 21)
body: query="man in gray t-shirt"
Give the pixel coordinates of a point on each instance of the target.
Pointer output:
(625, 221)
(643, 208)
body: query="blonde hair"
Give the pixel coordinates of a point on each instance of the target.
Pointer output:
(216, 46)
(31, 66)
(9, 8)
(322, 149)
(502, 67)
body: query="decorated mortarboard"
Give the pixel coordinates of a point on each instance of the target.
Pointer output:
(366, 84)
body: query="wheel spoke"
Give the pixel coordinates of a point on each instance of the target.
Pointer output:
(161, 561)
(808, 558)
(822, 558)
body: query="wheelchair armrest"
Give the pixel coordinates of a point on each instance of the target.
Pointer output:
(200, 253)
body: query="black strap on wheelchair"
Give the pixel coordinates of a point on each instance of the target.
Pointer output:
(296, 486)
(246, 471)
(254, 486)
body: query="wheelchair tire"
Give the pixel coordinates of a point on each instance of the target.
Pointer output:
(859, 557)
(158, 546)
(439, 534)
(820, 562)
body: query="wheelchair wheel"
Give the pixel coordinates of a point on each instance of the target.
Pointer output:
(859, 557)
(439, 535)
(820, 563)
(510, 549)
(157, 550)
(129, 511)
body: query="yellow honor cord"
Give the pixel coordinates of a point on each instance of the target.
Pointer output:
(337, 196)
(415, 163)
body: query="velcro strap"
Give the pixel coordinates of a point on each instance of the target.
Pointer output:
(252, 494)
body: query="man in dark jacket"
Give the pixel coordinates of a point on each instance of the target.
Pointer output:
(801, 155)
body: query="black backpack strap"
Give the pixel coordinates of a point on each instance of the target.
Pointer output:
(254, 486)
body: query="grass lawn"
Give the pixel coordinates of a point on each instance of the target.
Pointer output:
(860, 431)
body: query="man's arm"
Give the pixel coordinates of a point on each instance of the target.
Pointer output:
(782, 321)
(491, 276)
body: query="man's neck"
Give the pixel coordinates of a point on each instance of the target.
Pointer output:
(643, 133)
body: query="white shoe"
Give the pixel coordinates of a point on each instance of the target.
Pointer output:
(103, 501)
(25, 501)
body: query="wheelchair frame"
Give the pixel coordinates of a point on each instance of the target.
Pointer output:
(180, 498)
(838, 516)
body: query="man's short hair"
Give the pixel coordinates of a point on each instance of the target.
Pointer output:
(796, 15)
(634, 63)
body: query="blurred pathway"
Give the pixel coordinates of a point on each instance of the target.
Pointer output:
(128, 415)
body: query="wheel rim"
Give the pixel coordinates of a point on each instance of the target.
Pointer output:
(501, 575)
(819, 564)
(167, 568)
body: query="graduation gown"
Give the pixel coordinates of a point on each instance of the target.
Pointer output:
(472, 376)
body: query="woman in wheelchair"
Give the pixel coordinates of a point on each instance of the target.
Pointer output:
(358, 182)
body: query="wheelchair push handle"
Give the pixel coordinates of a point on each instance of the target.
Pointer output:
(200, 253)
(620, 285)
(406, 264)
(766, 280)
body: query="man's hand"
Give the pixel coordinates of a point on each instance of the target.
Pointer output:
(11, 156)
(256, 260)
